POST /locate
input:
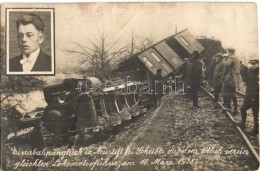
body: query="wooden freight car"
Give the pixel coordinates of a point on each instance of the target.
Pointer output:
(167, 55)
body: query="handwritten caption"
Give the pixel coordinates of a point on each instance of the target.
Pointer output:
(114, 157)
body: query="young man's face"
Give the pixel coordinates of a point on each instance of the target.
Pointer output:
(29, 38)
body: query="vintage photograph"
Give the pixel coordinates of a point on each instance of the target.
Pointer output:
(135, 87)
(30, 41)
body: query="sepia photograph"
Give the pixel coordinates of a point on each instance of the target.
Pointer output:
(162, 86)
(30, 41)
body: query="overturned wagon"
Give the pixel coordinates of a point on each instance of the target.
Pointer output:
(80, 109)
(168, 55)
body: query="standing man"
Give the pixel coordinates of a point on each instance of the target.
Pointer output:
(30, 36)
(243, 71)
(231, 79)
(226, 103)
(251, 99)
(195, 76)
(157, 87)
(217, 73)
(210, 71)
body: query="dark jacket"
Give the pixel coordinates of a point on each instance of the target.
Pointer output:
(187, 79)
(252, 85)
(43, 63)
(157, 84)
(195, 73)
(243, 72)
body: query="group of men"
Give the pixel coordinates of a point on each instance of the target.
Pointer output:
(224, 75)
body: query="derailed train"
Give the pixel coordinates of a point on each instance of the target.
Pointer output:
(79, 110)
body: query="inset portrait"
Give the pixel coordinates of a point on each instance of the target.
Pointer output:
(30, 42)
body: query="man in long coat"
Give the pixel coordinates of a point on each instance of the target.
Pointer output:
(195, 76)
(157, 83)
(231, 79)
(217, 84)
(251, 99)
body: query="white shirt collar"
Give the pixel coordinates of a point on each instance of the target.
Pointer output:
(30, 61)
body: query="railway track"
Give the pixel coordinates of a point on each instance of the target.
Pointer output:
(251, 142)
(183, 129)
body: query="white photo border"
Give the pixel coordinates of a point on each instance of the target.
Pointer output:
(52, 34)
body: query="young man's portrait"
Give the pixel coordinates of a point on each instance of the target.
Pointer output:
(30, 43)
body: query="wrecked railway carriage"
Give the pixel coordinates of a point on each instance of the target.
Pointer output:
(169, 55)
(75, 114)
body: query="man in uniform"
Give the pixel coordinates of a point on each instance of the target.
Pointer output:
(231, 79)
(217, 73)
(251, 99)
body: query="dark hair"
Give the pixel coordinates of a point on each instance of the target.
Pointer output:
(31, 19)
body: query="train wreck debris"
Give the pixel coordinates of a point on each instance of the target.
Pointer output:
(167, 54)
(79, 109)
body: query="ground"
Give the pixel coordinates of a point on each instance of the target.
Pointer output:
(171, 137)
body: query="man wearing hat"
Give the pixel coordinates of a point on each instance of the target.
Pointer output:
(231, 79)
(217, 73)
(195, 76)
(157, 87)
(251, 99)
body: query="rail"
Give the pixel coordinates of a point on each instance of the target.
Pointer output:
(242, 134)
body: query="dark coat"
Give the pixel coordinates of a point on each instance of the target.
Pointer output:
(252, 84)
(195, 73)
(157, 85)
(187, 79)
(43, 63)
(243, 72)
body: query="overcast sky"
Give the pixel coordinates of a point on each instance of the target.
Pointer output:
(235, 24)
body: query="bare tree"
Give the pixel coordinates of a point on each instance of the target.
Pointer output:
(136, 44)
(145, 42)
(98, 55)
(132, 47)
(139, 43)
